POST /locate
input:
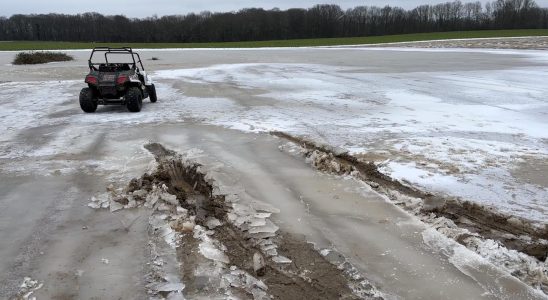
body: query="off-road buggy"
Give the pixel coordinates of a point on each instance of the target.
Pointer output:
(118, 79)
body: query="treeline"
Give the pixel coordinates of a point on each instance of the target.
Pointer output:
(259, 24)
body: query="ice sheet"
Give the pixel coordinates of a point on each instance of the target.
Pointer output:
(472, 130)
(460, 133)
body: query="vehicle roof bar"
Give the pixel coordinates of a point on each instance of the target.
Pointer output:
(107, 50)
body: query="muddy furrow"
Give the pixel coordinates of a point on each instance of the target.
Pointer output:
(470, 224)
(287, 266)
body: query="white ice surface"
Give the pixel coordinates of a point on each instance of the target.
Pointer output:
(460, 132)
(468, 129)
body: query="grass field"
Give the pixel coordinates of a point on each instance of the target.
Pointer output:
(33, 45)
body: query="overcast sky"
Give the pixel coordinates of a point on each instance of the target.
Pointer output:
(144, 8)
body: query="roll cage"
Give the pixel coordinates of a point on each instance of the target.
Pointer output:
(109, 51)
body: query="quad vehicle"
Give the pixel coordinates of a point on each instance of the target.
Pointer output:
(118, 79)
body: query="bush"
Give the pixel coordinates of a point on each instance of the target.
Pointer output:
(32, 58)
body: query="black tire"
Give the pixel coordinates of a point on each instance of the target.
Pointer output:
(88, 102)
(152, 93)
(134, 99)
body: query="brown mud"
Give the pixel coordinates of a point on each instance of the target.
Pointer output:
(308, 275)
(466, 214)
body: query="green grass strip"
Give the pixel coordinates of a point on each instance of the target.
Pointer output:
(34, 45)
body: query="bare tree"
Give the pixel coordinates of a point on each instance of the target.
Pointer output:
(258, 24)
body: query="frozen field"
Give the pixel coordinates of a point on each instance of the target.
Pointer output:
(465, 123)
(478, 134)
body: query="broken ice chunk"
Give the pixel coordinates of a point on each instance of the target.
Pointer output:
(140, 193)
(255, 222)
(208, 247)
(94, 205)
(115, 206)
(212, 223)
(27, 288)
(209, 251)
(101, 201)
(240, 215)
(325, 251)
(265, 207)
(335, 258)
(188, 226)
(164, 230)
(231, 217)
(151, 199)
(268, 247)
(163, 207)
(262, 215)
(131, 204)
(272, 252)
(170, 287)
(264, 243)
(335, 166)
(169, 198)
(243, 280)
(281, 260)
(269, 227)
(175, 296)
(242, 210)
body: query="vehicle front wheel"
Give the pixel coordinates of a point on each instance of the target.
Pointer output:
(152, 93)
(88, 102)
(134, 99)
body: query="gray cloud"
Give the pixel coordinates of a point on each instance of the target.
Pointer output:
(143, 8)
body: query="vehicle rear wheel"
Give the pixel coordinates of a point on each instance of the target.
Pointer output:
(88, 102)
(152, 93)
(134, 99)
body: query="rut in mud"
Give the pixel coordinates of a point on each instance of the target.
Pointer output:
(284, 266)
(467, 214)
(468, 223)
